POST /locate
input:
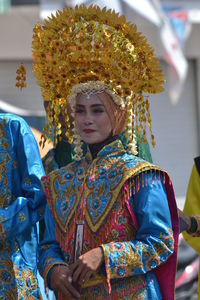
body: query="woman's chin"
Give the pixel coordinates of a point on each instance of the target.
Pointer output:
(91, 140)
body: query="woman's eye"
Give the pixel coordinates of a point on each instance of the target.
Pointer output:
(98, 111)
(79, 111)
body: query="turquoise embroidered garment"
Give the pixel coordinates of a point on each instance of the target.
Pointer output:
(22, 204)
(124, 203)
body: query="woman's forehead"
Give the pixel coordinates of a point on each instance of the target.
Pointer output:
(86, 100)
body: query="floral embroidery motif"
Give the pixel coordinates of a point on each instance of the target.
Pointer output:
(7, 278)
(5, 160)
(28, 181)
(27, 284)
(135, 289)
(22, 217)
(120, 257)
(15, 164)
(3, 140)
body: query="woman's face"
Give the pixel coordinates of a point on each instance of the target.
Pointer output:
(91, 119)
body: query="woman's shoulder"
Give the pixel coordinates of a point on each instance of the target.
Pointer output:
(134, 166)
(12, 123)
(131, 161)
(70, 168)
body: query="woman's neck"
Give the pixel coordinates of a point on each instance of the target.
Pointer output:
(95, 148)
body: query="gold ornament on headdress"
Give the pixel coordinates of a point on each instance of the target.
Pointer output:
(96, 48)
(21, 77)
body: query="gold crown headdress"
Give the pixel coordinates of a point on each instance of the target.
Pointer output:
(94, 49)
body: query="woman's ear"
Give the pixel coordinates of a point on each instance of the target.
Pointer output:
(120, 120)
(47, 105)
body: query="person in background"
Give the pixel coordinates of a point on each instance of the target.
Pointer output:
(192, 203)
(22, 204)
(111, 220)
(192, 210)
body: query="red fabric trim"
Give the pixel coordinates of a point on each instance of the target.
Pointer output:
(126, 197)
(167, 285)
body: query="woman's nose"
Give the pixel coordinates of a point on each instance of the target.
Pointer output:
(88, 122)
(88, 119)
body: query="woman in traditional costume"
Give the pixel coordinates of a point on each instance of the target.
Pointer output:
(111, 221)
(22, 204)
(192, 209)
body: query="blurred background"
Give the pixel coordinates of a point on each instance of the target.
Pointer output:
(173, 30)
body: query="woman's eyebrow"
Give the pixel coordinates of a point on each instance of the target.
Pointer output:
(93, 105)
(97, 105)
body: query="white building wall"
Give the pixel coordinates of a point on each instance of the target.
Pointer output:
(176, 132)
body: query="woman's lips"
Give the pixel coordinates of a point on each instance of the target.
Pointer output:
(88, 130)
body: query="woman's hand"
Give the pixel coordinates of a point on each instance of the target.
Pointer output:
(185, 221)
(61, 282)
(86, 265)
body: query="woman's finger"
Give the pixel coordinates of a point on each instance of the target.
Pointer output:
(81, 278)
(85, 276)
(74, 266)
(76, 274)
(88, 275)
(70, 289)
(65, 293)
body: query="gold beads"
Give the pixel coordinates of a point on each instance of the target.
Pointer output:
(21, 77)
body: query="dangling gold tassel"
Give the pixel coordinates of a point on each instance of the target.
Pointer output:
(78, 144)
(21, 77)
(155, 177)
(145, 178)
(142, 179)
(130, 130)
(159, 175)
